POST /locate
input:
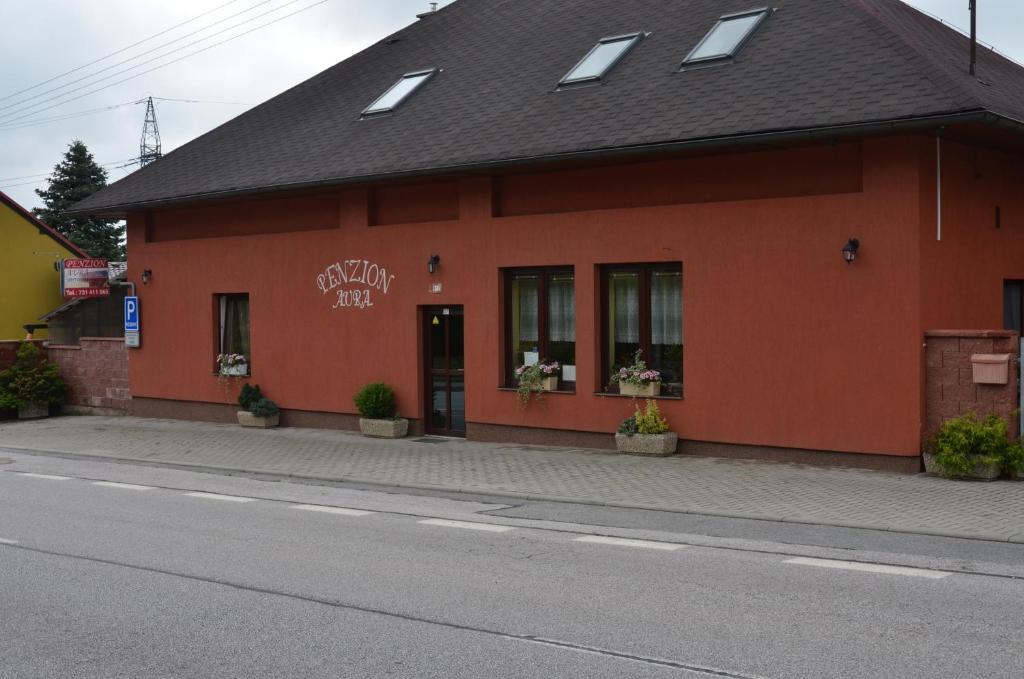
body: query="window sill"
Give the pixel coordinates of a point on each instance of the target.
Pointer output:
(560, 392)
(662, 397)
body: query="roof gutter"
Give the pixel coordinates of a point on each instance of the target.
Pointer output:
(740, 140)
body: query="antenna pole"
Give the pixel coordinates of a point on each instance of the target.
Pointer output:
(149, 145)
(974, 35)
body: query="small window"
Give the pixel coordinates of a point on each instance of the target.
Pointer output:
(540, 321)
(643, 311)
(399, 92)
(233, 336)
(726, 37)
(601, 59)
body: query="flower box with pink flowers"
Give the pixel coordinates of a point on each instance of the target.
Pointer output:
(637, 379)
(536, 378)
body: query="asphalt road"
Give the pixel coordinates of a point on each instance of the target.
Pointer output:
(271, 579)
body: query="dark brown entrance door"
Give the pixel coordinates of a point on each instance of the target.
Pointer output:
(445, 377)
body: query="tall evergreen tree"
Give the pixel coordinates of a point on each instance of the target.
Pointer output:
(74, 178)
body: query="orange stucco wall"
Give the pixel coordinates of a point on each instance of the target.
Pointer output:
(785, 344)
(962, 274)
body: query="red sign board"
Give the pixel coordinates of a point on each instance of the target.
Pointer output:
(84, 278)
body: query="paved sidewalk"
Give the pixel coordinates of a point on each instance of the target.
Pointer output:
(719, 487)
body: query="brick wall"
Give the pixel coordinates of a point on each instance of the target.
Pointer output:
(949, 386)
(96, 372)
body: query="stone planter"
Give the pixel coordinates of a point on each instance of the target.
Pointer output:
(33, 411)
(656, 445)
(384, 429)
(237, 370)
(549, 383)
(646, 391)
(981, 472)
(247, 419)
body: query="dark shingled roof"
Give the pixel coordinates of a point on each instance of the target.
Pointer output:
(814, 64)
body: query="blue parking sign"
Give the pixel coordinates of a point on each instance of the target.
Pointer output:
(131, 314)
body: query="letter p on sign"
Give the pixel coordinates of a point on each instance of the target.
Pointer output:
(131, 314)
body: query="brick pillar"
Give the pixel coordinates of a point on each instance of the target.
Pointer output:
(949, 385)
(96, 372)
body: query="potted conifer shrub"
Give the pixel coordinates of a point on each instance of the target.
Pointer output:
(257, 410)
(378, 412)
(646, 433)
(32, 384)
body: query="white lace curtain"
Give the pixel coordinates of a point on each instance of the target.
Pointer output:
(625, 298)
(527, 298)
(561, 309)
(666, 308)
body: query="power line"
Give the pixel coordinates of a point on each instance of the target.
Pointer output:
(174, 61)
(46, 175)
(197, 101)
(115, 53)
(90, 76)
(33, 122)
(67, 116)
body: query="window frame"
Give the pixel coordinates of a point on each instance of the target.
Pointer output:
(632, 40)
(427, 74)
(543, 339)
(220, 324)
(645, 269)
(691, 62)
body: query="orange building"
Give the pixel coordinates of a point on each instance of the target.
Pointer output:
(499, 184)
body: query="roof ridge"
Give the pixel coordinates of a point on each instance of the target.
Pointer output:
(870, 17)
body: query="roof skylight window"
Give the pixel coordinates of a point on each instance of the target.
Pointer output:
(601, 58)
(399, 92)
(726, 37)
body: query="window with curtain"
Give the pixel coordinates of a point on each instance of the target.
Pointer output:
(540, 321)
(643, 310)
(233, 311)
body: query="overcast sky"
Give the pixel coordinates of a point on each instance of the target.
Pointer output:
(46, 38)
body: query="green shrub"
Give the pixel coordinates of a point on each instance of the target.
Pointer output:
(376, 401)
(628, 426)
(264, 407)
(963, 442)
(646, 421)
(1014, 461)
(249, 395)
(650, 421)
(31, 379)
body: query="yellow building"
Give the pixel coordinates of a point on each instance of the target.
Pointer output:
(29, 283)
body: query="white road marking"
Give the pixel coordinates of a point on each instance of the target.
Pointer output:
(625, 542)
(125, 486)
(225, 498)
(332, 510)
(870, 568)
(467, 525)
(5, 541)
(51, 477)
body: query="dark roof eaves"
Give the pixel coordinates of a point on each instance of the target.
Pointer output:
(868, 127)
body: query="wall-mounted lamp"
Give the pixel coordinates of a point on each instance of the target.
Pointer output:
(433, 263)
(147, 276)
(850, 250)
